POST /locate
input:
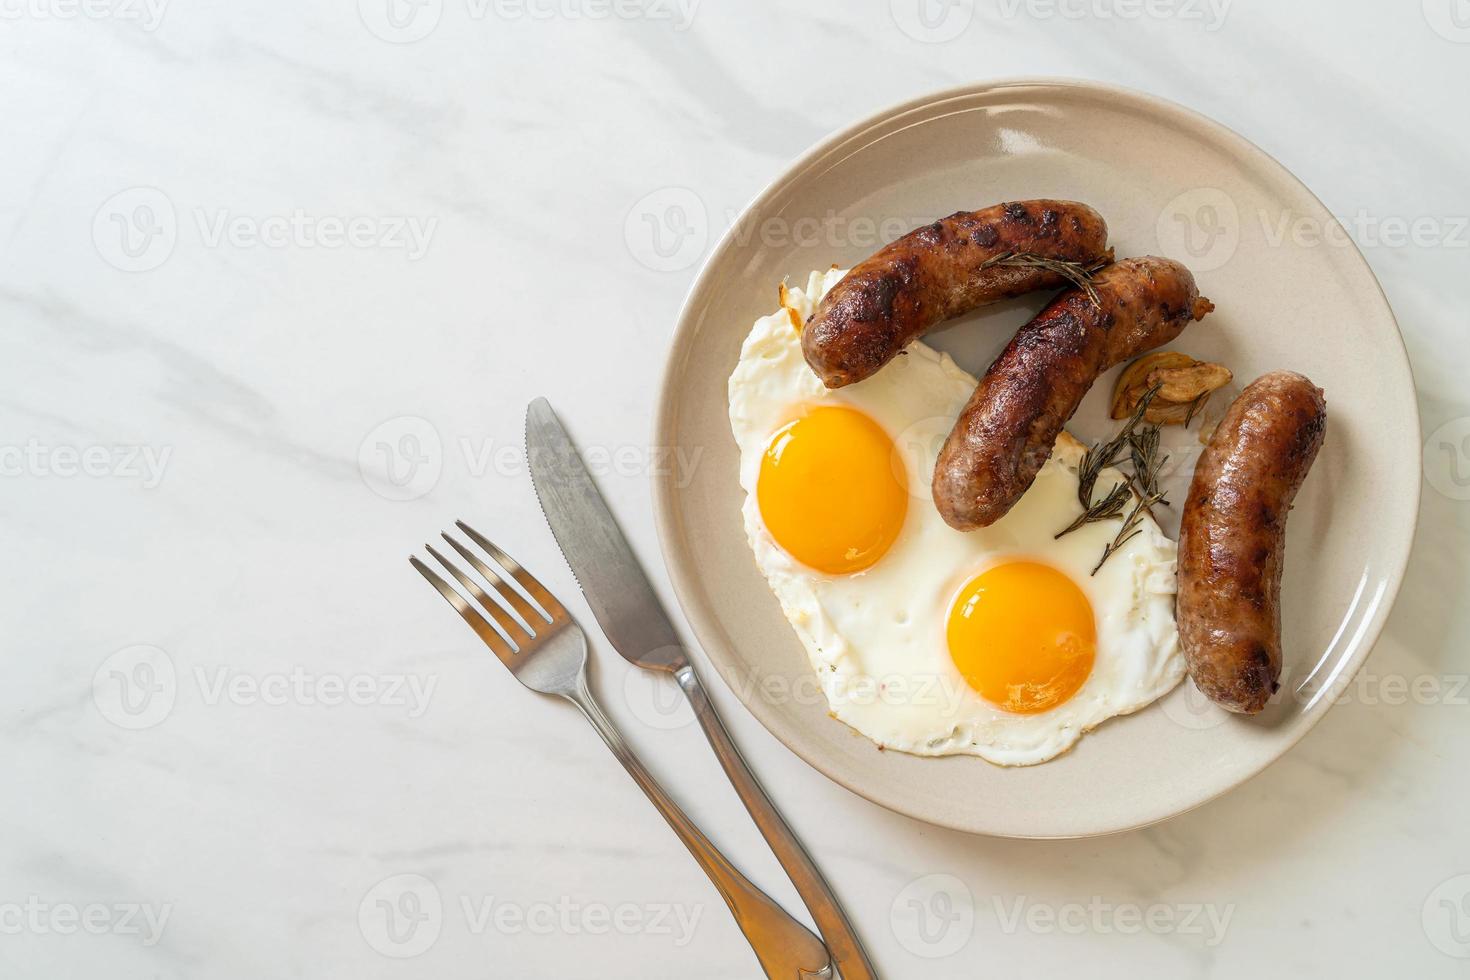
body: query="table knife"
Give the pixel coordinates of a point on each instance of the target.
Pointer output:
(635, 623)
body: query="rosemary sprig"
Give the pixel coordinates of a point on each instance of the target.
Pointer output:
(1110, 453)
(1106, 509)
(1143, 450)
(1128, 531)
(1078, 274)
(1138, 444)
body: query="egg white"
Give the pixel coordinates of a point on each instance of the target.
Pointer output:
(877, 639)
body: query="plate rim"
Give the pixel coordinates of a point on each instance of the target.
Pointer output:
(681, 573)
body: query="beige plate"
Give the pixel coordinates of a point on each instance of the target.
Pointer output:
(1169, 182)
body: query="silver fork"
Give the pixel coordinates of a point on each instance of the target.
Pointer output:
(547, 651)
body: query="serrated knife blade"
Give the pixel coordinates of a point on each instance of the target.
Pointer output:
(616, 587)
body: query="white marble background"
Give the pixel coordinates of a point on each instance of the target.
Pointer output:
(238, 238)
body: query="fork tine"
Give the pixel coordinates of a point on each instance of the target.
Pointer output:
(518, 634)
(483, 630)
(528, 613)
(527, 581)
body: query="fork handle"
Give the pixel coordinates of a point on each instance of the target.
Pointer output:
(787, 950)
(847, 952)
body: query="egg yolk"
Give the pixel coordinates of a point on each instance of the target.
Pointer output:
(832, 492)
(1023, 635)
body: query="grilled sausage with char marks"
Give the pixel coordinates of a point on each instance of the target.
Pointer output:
(1233, 538)
(938, 272)
(1007, 429)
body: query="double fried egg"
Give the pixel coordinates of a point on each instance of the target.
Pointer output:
(1002, 642)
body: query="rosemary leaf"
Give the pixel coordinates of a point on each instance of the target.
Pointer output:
(1195, 406)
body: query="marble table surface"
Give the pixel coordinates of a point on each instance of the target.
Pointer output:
(277, 280)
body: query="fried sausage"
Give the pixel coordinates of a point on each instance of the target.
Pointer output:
(1233, 536)
(1007, 429)
(938, 272)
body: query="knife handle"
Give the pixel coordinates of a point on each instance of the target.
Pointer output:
(787, 950)
(847, 952)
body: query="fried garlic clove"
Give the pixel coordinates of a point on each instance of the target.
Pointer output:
(1184, 384)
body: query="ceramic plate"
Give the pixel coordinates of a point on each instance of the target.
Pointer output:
(1292, 291)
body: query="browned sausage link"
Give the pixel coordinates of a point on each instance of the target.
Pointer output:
(1233, 535)
(1007, 429)
(937, 272)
